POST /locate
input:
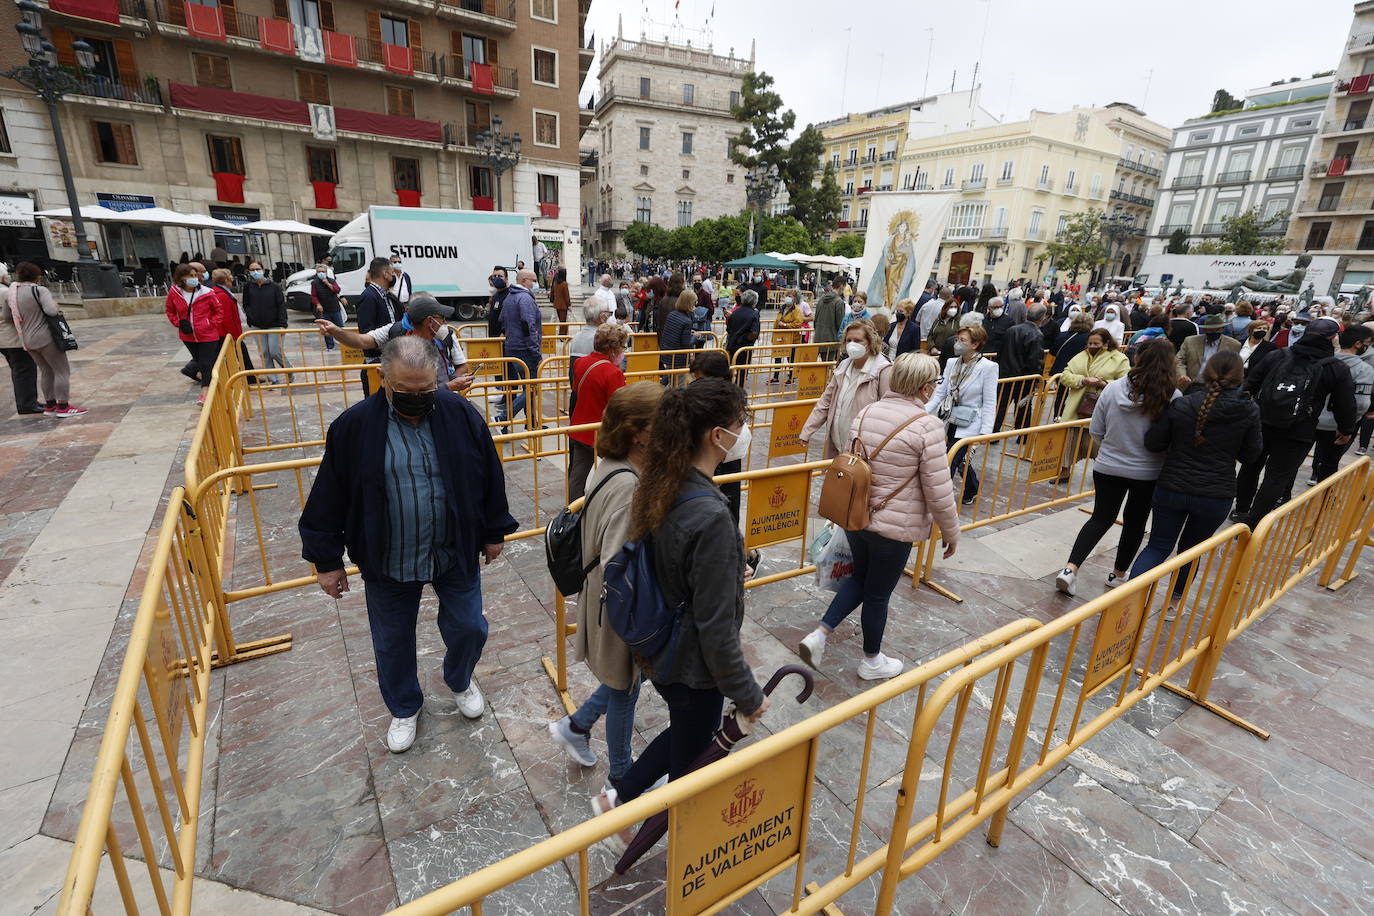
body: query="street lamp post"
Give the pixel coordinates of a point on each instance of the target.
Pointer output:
(498, 152)
(760, 184)
(50, 83)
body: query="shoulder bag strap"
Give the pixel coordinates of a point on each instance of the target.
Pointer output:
(587, 501)
(578, 392)
(903, 426)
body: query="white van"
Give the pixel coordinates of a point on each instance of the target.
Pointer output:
(447, 253)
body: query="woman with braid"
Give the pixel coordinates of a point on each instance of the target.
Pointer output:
(1203, 434)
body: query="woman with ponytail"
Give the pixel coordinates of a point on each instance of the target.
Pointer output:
(698, 560)
(1203, 434)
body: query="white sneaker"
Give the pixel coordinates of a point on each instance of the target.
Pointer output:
(470, 702)
(879, 668)
(577, 746)
(812, 648)
(401, 733)
(1170, 612)
(616, 842)
(1113, 580)
(1066, 581)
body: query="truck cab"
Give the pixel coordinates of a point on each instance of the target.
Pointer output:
(351, 248)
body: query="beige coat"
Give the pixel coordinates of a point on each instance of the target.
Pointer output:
(872, 386)
(9, 334)
(605, 528)
(913, 465)
(1189, 360)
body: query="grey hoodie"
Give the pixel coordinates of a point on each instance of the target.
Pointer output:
(1119, 427)
(1363, 376)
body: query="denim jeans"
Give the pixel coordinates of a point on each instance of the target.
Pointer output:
(693, 717)
(878, 565)
(392, 610)
(531, 362)
(270, 347)
(339, 318)
(618, 706)
(1180, 520)
(957, 465)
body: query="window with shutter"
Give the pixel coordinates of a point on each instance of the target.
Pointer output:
(212, 71)
(231, 17)
(492, 57)
(545, 66)
(125, 63)
(113, 142)
(281, 9)
(400, 102)
(416, 35)
(478, 116)
(327, 15)
(312, 87)
(5, 145)
(226, 154)
(479, 178)
(406, 172)
(322, 163)
(62, 40)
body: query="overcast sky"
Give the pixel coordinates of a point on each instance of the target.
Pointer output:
(1165, 56)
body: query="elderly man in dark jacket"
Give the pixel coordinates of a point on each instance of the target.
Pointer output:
(1293, 386)
(412, 487)
(829, 314)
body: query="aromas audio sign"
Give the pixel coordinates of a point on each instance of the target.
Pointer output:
(729, 837)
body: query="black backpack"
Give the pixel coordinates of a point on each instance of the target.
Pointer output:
(563, 544)
(1289, 392)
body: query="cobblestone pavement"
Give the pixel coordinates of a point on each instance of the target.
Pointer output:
(1169, 810)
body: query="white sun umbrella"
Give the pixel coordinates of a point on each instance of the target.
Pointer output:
(286, 227)
(93, 212)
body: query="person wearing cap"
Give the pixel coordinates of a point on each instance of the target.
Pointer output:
(425, 318)
(1308, 364)
(1199, 349)
(411, 486)
(1289, 330)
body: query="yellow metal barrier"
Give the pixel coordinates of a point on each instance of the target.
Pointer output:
(1052, 475)
(1116, 649)
(1359, 537)
(783, 762)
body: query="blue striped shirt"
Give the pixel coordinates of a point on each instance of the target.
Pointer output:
(419, 544)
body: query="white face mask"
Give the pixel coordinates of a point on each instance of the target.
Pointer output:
(855, 350)
(950, 313)
(737, 451)
(442, 333)
(996, 313)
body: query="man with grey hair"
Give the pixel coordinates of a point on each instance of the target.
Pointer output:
(595, 313)
(742, 327)
(932, 309)
(523, 333)
(605, 291)
(412, 488)
(1022, 354)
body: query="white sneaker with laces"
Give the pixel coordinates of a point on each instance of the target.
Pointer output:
(1113, 580)
(1066, 581)
(812, 648)
(577, 746)
(470, 702)
(400, 735)
(879, 668)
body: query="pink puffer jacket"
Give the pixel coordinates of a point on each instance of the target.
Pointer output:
(918, 452)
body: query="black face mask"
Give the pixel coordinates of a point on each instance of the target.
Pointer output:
(1212, 335)
(412, 405)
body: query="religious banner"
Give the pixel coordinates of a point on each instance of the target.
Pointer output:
(902, 242)
(309, 44)
(322, 126)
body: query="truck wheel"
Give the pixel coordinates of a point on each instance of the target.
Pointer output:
(466, 311)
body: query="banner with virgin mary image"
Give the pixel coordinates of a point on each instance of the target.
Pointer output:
(904, 231)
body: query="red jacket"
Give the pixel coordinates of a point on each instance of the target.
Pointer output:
(204, 312)
(594, 386)
(230, 323)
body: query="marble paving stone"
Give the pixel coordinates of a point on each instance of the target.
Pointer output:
(21, 810)
(1139, 865)
(31, 872)
(1350, 693)
(1288, 860)
(314, 840)
(1321, 637)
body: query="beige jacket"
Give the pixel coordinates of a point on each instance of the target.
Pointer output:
(872, 386)
(9, 334)
(605, 528)
(914, 466)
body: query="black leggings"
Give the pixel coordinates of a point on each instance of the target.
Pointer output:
(693, 717)
(1111, 491)
(1366, 431)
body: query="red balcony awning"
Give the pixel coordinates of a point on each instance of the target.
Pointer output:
(550, 210)
(339, 49)
(407, 198)
(842, 224)
(324, 195)
(483, 203)
(482, 79)
(205, 21)
(100, 10)
(277, 35)
(397, 59)
(1360, 84)
(228, 187)
(224, 101)
(1337, 166)
(367, 122)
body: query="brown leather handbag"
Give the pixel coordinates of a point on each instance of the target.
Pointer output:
(849, 481)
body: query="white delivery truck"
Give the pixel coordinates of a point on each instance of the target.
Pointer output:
(448, 253)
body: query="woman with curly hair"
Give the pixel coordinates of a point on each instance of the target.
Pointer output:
(1125, 471)
(1202, 435)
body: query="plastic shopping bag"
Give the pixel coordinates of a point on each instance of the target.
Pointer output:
(830, 552)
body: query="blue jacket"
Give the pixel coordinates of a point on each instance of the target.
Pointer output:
(909, 342)
(347, 504)
(374, 309)
(520, 321)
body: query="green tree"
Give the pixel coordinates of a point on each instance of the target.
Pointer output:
(1080, 246)
(1224, 101)
(722, 239)
(646, 240)
(783, 234)
(825, 205)
(1244, 234)
(766, 125)
(1178, 242)
(798, 174)
(847, 246)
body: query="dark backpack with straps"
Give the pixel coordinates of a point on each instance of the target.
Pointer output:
(1289, 392)
(563, 544)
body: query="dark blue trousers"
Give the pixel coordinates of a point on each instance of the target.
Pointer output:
(392, 611)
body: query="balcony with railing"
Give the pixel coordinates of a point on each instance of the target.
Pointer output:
(1171, 228)
(700, 101)
(1035, 235)
(1283, 172)
(1129, 198)
(1278, 228)
(947, 186)
(887, 156)
(851, 161)
(963, 233)
(1239, 176)
(133, 88)
(974, 184)
(1362, 43)
(376, 52)
(1140, 167)
(996, 232)
(1045, 184)
(869, 158)
(1187, 181)
(454, 67)
(492, 13)
(128, 9)
(1005, 181)
(1213, 228)
(865, 189)
(1071, 189)
(1349, 124)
